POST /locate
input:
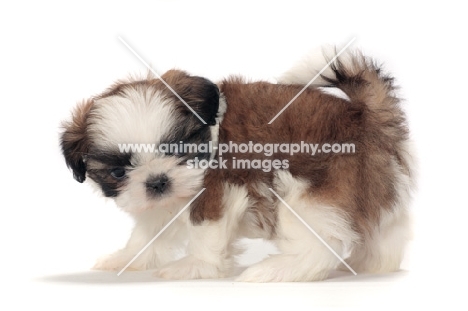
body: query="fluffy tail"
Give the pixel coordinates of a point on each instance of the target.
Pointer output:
(359, 78)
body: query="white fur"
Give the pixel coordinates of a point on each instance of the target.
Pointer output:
(137, 117)
(221, 109)
(145, 118)
(304, 257)
(210, 248)
(307, 68)
(186, 182)
(167, 247)
(334, 91)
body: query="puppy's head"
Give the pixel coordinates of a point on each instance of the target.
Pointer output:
(97, 142)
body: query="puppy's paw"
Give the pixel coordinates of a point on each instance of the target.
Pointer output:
(116, 262)
(269, 270)
(279, 268)
(189, 268)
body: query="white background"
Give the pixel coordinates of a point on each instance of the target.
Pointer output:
(55, 54)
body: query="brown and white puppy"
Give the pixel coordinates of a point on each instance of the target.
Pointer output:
(356, 202)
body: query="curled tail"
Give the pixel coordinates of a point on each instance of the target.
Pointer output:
(360, 78)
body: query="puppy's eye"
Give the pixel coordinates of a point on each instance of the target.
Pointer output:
(118, 172)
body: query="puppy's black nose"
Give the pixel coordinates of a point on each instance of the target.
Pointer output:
(156, 185)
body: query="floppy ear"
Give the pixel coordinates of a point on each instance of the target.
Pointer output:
(199, 93)
(75, 142)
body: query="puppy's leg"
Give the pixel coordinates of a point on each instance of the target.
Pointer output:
(383, 250)
(163, 250)
(210, 247)
(304, 257)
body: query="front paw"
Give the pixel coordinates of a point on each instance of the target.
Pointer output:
(189, 268)
(269, 270)
(116, 262)
(281, 268)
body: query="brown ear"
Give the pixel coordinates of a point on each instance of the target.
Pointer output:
(75, 142)
(199, 93)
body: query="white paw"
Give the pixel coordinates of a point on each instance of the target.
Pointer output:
(116, 262)
(272, 269)
(189, 268)
(280, 268)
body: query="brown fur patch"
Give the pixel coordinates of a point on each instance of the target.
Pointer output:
(199, 93)
(208, 204)
(74, 140)
(360, 184)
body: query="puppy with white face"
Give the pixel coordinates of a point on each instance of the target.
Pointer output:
(356, 202)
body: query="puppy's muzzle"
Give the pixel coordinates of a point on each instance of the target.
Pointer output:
(157, 185)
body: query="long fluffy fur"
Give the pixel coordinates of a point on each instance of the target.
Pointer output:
(358, 203)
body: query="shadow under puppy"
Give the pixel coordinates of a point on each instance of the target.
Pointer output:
(356, 202)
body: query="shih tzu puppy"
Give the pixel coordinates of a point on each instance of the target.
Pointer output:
(356, 202)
